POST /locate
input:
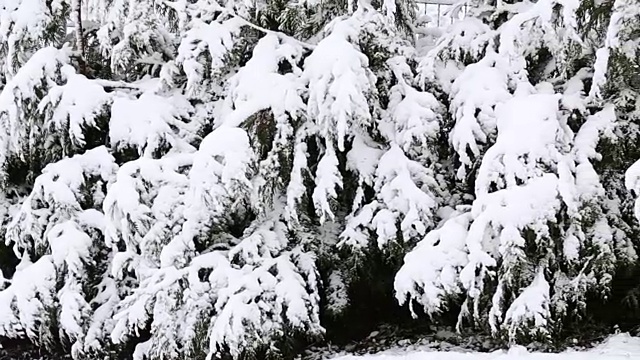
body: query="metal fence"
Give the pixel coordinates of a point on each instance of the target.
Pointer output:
(440, 9)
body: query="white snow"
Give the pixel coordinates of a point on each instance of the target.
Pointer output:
(617, 347)
(236, 290)
(296, 188)
(150, 122)
(42, 70)
(59, 187)
(414, 114)
(75, 105)
(328, 179)
(280, 93)
(339, 81)
(216, 39)
(23, 23)
(217, 179)
(521, 184)
(247, 131)
(130, 32)
(474, 96)
(618, 38)
(433, 266)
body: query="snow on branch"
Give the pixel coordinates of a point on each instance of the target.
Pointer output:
(339, 82)
(58, 225)
(152, 124)
(202, 54)
(46, 108)
(400, 185)
(619, 40)
(528, 176)
(63, 192)
(26, 26)
(244, 301)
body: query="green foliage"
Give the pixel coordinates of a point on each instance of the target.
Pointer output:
(193, 50)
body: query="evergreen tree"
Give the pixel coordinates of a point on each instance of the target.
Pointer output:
(537, 242)
(202, 179)
(206, 235)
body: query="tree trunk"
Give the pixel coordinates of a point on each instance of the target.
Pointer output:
(77, 17)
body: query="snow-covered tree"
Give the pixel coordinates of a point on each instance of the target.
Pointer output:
(47, 111)
(616, 81)
(58, 233)
(135, 36)
(26, 27)
(204, 179)
(538, 239)
(618, 59)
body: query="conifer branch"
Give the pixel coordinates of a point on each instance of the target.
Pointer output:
(276, 33)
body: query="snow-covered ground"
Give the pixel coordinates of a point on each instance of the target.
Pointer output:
(617, 347)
